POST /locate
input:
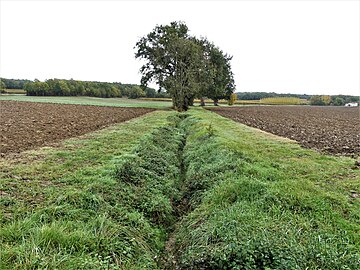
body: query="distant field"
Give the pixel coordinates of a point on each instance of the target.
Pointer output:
(115, 102)
(15, 91)
(265, 101)
(124, 102)
(209, 102)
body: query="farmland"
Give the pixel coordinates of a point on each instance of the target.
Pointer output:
(334, 130)
(26, 125)
(170, 190)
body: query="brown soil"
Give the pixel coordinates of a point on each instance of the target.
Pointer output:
(334, 130)
(27, 125)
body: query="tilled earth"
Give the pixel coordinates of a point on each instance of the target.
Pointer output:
(334, 130)
(27, 125)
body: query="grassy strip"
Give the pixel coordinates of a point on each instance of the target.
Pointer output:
(65, 209)
(262, 203)
(114, 102)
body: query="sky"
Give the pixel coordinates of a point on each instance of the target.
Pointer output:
(293, 46)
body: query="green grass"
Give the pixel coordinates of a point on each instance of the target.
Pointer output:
(212, 193)
(115, 102)
(264, 203)
(62, 208)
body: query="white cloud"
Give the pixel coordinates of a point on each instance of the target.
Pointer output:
(282, 46)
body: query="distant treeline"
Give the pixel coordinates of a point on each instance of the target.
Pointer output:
(13, 83)
(337, 100)
(260, 95)
(60, 87)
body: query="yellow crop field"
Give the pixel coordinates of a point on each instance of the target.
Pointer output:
(283, 101)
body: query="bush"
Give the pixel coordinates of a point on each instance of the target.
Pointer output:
(232, 99)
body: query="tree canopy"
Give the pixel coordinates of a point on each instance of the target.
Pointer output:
(186, 67)
(60, 87)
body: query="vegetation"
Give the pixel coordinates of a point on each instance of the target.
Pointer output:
(261, 95)
(14, 91)
(232, 99)
(341, 100)
(265, 204)
(117, 102)
(171, 190)
(320, 100)
(75, 211)
(335, 100)
(56, 87)
(185, 66)
(59, 87)
(13, 83)
(2, 86)
(282, 101)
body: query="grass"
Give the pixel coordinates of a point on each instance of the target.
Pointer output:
(263, 203)
(63, 208)
(115, 102)
(179, 191)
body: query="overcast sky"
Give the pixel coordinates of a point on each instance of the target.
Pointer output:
(282, 46)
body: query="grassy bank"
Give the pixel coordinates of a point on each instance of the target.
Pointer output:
(263, 203)
(179, 191)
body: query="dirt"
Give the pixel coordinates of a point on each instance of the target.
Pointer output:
(28, 125)
(333, 130)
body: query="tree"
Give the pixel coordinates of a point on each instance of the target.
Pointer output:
(320, 100)
(136, 92)
(326, 99)
(219, 77)
(36, 88)
(181, 64)
(338, 101)
(232, 99)
(316, 100)
(2, 86)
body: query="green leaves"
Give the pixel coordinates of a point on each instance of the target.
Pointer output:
(185, 66)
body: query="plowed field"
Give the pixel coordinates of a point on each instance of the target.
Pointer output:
(334, 130)
(26, 125)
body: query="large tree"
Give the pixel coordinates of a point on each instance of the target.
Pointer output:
(218, 77)
(181, 64)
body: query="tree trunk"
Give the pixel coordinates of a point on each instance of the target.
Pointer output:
(191, 102)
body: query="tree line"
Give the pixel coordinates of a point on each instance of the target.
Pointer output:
(336, 100)
(13, 83)
(185, 66)
(261, 95)
(319, 100)
(61, 87)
